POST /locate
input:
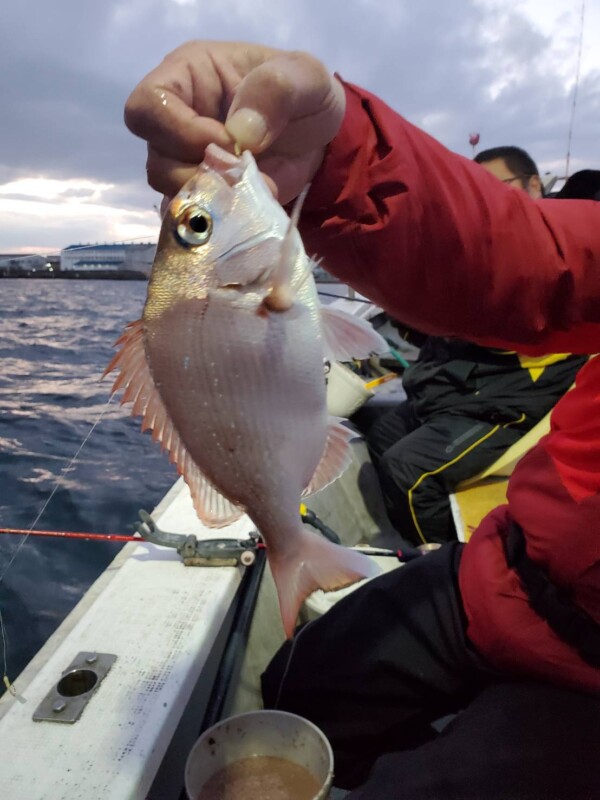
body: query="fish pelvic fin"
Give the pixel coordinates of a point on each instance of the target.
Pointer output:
(212, 508)
(316, 564)
(139, 389)
(347, 337)
(336, 457)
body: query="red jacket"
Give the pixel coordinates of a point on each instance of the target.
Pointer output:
(448, 249)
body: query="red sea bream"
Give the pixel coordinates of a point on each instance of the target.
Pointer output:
(226, 368)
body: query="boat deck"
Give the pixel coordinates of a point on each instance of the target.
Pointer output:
(161, 620)
(167, 626)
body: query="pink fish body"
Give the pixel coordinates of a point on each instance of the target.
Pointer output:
(226, 367)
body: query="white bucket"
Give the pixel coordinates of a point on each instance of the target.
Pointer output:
(346, 391)
(260, 733)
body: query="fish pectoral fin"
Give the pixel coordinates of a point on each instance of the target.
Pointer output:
(136, 380)
(347, 337)
(315, 564)
(336, 457)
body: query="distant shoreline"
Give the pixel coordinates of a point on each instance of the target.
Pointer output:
(98, 275)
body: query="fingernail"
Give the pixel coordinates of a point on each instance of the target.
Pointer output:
(247, 127)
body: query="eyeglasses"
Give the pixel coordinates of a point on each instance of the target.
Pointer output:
(516, 178)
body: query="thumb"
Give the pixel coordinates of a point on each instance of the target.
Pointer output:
(250, 129)
(283, 93)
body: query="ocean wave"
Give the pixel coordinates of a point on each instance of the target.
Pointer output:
(56, 338)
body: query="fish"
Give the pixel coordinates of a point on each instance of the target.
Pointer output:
(226, 368)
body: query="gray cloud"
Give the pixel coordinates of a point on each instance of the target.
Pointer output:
(450, 67)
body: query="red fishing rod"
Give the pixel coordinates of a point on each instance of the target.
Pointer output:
(106, 537)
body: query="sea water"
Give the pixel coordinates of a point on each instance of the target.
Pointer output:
(56, 338)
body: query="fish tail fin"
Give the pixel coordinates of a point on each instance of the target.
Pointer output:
(316, 563)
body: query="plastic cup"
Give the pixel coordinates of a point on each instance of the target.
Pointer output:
(346, 391)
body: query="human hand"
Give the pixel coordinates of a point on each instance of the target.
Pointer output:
(283, 106)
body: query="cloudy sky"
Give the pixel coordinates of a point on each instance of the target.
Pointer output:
(70, 172)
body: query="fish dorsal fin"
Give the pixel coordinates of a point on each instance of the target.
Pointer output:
(136, 380)
(347, 337)
(335, 459)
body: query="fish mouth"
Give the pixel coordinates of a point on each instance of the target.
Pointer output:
(229, 166)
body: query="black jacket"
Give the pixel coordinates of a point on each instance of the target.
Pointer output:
(454, 376)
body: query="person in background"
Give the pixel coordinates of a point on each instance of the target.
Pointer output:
(465, 404)
(514, 167)
(582, 185)
(505, 629)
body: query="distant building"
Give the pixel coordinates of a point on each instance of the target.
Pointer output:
(108, 257)
(24, 262)
(139, 257)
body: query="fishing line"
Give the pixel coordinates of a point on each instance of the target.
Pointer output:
(288, 662)
(60, 480)
(5, 680)
(341, 297)
(57, 486)
(575, 90)
(4, 648)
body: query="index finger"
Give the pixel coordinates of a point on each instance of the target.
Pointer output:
(162, 110)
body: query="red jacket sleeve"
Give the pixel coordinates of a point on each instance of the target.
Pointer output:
(446, 247)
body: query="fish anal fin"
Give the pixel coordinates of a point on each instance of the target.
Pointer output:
(316, 564)
(139, 389)
(347, 337)
(336, 457)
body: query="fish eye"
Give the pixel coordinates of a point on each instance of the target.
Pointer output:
(194, 226)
